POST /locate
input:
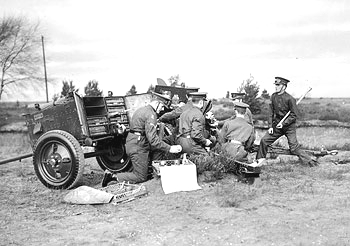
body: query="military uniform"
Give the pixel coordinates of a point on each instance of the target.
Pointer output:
(175, 114)
(279, 107)
(192, 129)
(237, 135)
(141, 143)
(248, 116)
(141, 140)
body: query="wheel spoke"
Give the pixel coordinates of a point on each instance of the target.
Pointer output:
(54, 148)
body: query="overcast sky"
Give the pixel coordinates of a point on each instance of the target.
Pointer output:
(214, 45)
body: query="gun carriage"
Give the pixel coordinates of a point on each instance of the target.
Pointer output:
(66, 132)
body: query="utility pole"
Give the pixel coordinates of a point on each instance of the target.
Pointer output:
(47, 93)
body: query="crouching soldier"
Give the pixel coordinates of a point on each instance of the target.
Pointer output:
(143, 142)
(192, 126)
(237, 135)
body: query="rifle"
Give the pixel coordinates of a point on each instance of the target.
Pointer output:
(288, 113)
(316, 153)
(274, 150)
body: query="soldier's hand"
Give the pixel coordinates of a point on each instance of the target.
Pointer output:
(175, 149)
(279, 125)
(208, 142)
(270, 131)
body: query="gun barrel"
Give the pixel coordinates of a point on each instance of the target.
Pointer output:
(15, 158)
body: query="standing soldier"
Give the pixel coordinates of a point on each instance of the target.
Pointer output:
(237, 135)
(281, 103)
(192, 126)
(142, 141)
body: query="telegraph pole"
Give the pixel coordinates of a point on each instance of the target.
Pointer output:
(47, 93)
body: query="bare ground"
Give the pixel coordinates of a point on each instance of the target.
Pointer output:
(288, 205)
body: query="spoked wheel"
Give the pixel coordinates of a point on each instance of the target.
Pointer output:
(116, 160)
(58, 160)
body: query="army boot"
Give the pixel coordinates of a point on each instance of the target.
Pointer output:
(108, 177)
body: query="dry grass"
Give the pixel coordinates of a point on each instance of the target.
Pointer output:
(289, 205)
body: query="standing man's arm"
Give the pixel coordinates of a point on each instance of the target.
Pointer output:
(271, 115)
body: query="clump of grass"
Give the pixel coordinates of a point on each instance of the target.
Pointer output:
(209, 166)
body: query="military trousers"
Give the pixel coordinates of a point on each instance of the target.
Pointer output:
(189, 146)
(290, 133)
(236, 151)
(138, 149)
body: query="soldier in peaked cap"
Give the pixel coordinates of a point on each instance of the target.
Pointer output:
(281, 104)
(237, 135)
(142, 142)
(192, 126)
(248, 116)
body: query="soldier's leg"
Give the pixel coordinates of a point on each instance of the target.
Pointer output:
(242, 154)
(140, 161)
(295, 149)
(231, 149)
(186, 144)
(266, 141)
(199, 150)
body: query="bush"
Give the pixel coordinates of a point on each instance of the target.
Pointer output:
(223, 114)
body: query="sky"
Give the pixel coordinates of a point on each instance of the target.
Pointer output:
(214, 45)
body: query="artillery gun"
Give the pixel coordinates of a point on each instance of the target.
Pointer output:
(62, 134)
(66, 132)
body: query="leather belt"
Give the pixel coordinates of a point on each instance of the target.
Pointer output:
(137, 133)
(235, 141)
(185, 136)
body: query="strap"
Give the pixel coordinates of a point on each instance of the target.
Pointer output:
(235, 141)
(138, 133)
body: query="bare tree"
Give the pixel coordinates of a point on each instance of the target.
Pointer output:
(19, 52)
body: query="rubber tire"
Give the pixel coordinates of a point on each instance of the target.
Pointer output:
(113, 163)
(104, 164)
(71, 144)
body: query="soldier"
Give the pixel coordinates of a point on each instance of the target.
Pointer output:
(237, 135)
(248, 116)
(192, 126)
(175, 114)
(142, 141)
(281, 103)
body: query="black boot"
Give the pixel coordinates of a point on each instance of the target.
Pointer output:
(108, 177)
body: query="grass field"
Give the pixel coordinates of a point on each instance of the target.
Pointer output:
(289, 205)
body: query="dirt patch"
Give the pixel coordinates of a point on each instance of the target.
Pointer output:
(288, 205)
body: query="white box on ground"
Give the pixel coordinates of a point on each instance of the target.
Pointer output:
(176, 178)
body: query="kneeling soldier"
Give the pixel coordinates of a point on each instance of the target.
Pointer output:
(192, 126)
(237, 135)
(142, 141)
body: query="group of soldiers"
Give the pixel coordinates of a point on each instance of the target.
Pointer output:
(192, 136)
